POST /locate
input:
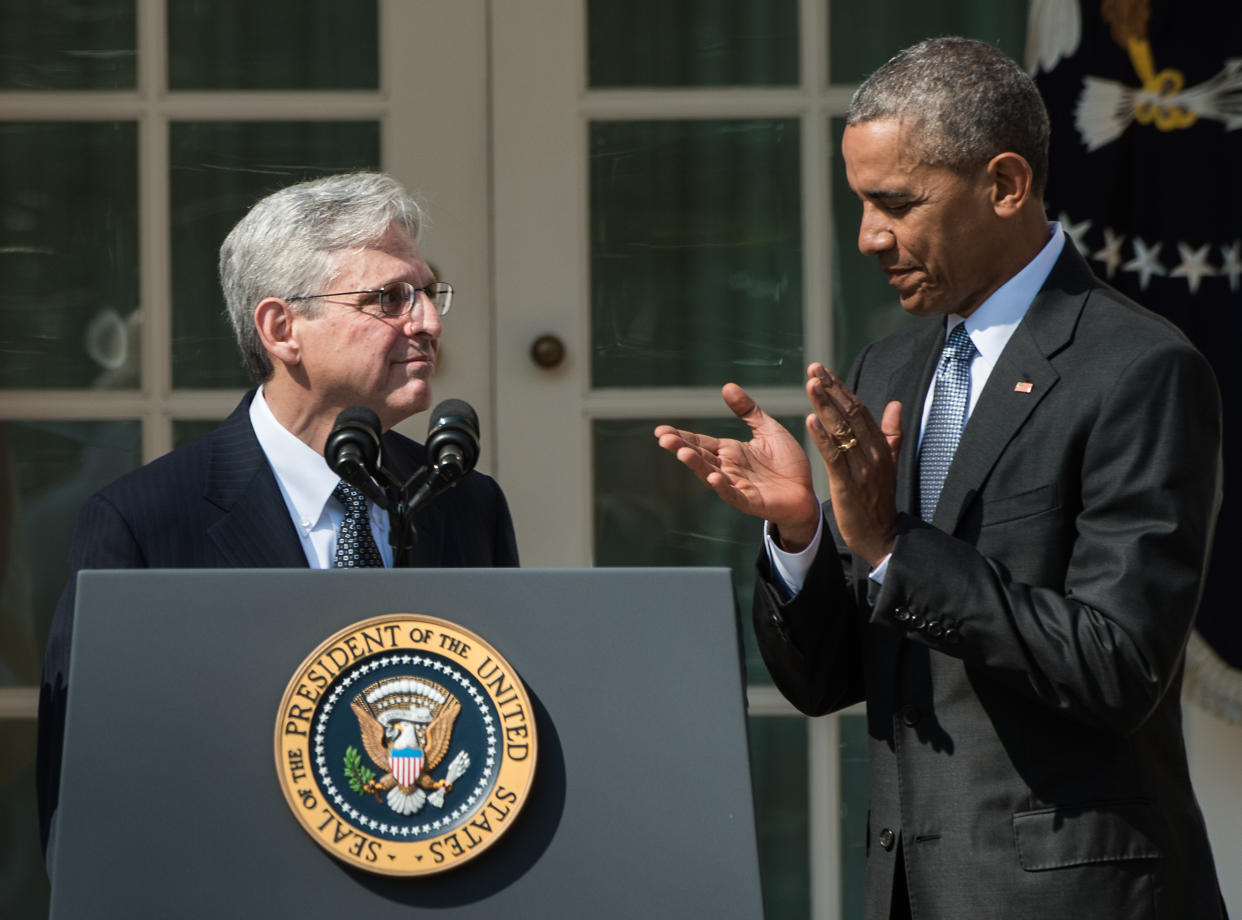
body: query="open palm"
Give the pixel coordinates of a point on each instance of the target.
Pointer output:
(768, 476)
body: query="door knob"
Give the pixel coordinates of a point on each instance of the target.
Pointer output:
(547, 350)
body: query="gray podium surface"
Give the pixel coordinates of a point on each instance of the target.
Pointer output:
(641, 805)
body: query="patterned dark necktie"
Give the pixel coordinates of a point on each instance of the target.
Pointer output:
(946, 419)
(355, 547)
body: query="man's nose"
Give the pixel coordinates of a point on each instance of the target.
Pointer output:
(874, 234)
(424, 317)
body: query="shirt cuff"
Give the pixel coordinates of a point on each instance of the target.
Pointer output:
(877, 574)
(790, 569)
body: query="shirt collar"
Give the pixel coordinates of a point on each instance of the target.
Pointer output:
(303, 474)
(992, 324)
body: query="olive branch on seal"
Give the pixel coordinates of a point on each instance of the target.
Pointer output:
(357, 774)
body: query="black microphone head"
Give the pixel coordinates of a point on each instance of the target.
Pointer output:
(354, 441)
(453, 411)
(358, 415)
(453, 438)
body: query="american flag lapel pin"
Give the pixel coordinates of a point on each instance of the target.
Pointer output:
(1023, 386)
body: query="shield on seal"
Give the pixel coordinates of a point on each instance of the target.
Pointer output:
(406, 765)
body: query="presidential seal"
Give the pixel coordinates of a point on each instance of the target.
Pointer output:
(405, 745)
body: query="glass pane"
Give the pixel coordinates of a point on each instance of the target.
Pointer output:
(696, 253)
(651, 511)
(862, 36)
(220, 169)
(68, 44)
(69, 255)
(855, 796)
(276, 44)
(47, 470)
(24, 893)
(778, 763)
(865, 308)
(697, 43)
(187, 430)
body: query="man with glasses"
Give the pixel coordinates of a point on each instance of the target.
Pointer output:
(333, 307)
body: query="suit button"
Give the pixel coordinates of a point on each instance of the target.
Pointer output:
(950, 630)
(934, 629)
(901, 615)
(887, 837)
(910, 715)
(917, 621)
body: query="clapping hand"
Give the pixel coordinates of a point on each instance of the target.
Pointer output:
(768, 476)
(861, 459)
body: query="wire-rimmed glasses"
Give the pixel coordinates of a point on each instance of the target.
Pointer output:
(397, 298)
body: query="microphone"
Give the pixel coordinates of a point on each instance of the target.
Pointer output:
(452, 441)
(352, 450)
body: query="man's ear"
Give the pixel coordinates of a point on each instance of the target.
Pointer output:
(274, 320)
(1011, 179)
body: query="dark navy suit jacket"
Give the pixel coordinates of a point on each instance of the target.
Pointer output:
(215, 503)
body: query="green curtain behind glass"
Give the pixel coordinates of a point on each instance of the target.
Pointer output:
(696, 253)
(274, 45)
(68, 45)
(692, 43)
(69, 255)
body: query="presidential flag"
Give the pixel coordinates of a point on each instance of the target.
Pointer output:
(1145, 98)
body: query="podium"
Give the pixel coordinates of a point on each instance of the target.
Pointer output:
(640, 804)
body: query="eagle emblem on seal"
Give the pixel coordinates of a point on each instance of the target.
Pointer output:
(406, 726)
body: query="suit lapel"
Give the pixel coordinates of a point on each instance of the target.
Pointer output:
(255, 530)
(1006, 402)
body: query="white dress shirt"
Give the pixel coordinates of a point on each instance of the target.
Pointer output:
(306, 483)
(990, 328)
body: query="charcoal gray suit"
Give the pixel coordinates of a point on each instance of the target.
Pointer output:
(215, 503)
(1021, 663)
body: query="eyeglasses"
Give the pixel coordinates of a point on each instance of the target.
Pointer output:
(398, 297)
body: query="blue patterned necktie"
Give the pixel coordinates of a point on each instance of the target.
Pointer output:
(355, 547)
(946, 419)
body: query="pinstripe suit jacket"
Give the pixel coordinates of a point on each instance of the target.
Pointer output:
(215, 503)
(1021, 664)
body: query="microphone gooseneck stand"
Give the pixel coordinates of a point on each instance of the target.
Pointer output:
(353, 452)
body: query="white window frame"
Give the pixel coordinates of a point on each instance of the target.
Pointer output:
(412, 101)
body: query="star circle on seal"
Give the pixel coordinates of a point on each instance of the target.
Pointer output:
(405, 745)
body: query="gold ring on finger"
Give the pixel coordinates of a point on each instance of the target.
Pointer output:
(847, 445)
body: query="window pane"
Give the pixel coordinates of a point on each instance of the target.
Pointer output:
(716, 43)
(651, 511)
(68, 44)
(778, 763)
(24, 893)
(47, 470)
(855, 798)
(187, 430)
(69, 255)
(862, 36)
(275, 44)
(696, 253)
(220, 169)
(865, 307)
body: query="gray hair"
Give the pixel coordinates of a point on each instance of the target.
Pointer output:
(289, 243)
(966, 101)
